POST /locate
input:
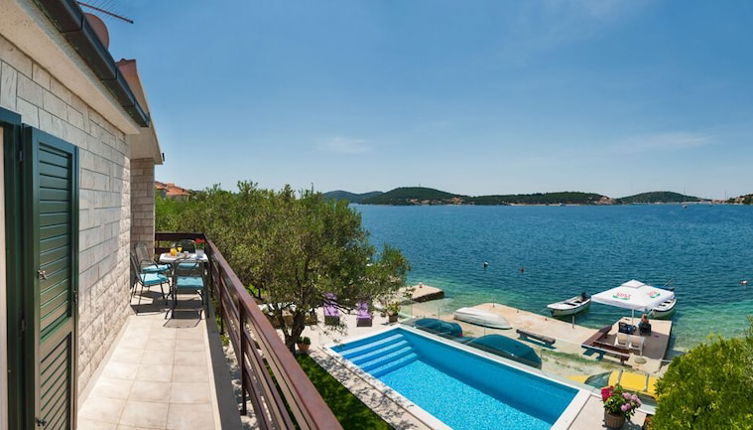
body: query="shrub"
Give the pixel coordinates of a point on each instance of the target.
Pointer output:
(710, 387)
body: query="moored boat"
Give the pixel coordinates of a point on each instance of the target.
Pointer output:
(482, 318)
(665, 309)
(570, 306)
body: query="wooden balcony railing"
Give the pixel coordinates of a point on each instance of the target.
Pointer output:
(280, 392)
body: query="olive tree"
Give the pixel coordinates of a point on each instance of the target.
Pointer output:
(296, 247)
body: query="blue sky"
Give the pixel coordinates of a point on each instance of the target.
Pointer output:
(616, 97)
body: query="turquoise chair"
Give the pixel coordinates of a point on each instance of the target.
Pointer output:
(146, 264)
(147, 280)
(188, 277)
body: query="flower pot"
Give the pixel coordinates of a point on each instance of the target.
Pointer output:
(392, 318)
(303, 348)
(613, 421)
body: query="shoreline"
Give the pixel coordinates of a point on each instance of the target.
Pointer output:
(703, 203)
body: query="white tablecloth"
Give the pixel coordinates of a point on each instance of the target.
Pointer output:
(166, 258)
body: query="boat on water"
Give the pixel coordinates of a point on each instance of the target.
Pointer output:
(665, 309)
(571, 306)
(508, 348)
(482, 318)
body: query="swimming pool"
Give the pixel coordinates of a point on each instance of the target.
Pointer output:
(461, 388)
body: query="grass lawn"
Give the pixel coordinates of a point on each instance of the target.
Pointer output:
(350, 411)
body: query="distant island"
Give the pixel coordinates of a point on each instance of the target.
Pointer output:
(414, 196)
(659, 197)
(351, 197)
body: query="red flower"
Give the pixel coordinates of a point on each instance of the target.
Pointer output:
(606, 393)
(200, 241)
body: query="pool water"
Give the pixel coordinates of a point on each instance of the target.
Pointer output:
(461, 389)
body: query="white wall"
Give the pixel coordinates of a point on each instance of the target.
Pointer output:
(3, 308)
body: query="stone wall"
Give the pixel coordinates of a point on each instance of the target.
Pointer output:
(105, 203)
(142, 201)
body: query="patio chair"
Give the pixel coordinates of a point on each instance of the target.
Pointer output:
(188, 277)
(147, 280)
(644, 328)
(331, 313)
(622, 340)
(146, 263)
(636, 343)
(363, 316)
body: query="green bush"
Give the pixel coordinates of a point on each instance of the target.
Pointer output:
(710, 387)
(350, 411)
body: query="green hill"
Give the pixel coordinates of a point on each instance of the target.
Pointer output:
(406, 196)
(563, 197)
(351, 197)
(746, 199)
(658, 197)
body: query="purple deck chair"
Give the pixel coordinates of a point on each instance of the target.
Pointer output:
(331, 313)
(363, 316)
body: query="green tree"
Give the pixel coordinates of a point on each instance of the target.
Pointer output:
(710, 387)
(296, 247)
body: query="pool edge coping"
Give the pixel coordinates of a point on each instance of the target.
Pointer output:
(401, 401)
(565, 419)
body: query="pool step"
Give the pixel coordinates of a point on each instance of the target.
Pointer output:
(386, 358)
(351, 352)
(361, 358)
(393, 365)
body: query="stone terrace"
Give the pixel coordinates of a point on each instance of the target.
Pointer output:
(159, 375)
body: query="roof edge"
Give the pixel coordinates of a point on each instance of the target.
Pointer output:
(69, 20)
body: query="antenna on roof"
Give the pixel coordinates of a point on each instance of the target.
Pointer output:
(103, 10)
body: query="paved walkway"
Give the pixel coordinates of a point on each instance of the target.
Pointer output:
(158, 376)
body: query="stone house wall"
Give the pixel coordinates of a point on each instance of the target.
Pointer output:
(142, 201)
(105, 199)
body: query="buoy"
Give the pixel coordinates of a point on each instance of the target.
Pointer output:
(743, 283)
(486, 264)
(522, 269)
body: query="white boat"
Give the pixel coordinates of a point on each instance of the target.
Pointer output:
(665, 309)
(570, 306)
(482, 318)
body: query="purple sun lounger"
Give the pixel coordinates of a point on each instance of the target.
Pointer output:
(331, 313)
(363, 316)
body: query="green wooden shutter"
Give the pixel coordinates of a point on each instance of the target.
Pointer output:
(51, 208)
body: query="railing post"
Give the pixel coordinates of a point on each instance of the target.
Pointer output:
(219, 285)
(242, 356)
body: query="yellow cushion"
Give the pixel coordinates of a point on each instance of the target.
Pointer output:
(651, 389)
(633, 381)
(578, 378)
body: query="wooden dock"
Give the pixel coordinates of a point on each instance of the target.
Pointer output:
(423, 293)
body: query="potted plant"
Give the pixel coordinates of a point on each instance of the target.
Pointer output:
(200, 247)
(392, 310)
(303, 344)
(619, 405)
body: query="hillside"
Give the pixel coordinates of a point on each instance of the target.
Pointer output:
(406, 196)
(564, 197)
(351, 197)
(746, 199)
(658, 197)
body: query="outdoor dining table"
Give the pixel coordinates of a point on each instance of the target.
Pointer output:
(166, 258)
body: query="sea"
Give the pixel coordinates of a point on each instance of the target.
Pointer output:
(537, 255)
